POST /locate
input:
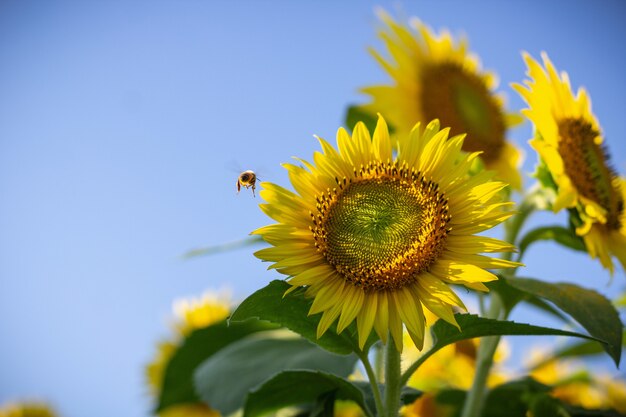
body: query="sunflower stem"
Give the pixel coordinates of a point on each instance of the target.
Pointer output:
(371, 375)
(476, 396)
(379, 360)
(513, 226)
(392, 380)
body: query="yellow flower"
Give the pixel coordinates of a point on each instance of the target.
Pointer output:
(155, 370)
(574, 384)
(437, 78)
(453, 366)
(375, 237)
(615, 391)
(191, 314)
(26, 409)
(570, 386)
(427, 406)
(189, 410)
(347, 409)
(569, 141)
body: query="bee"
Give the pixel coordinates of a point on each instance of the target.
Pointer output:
(247, 179)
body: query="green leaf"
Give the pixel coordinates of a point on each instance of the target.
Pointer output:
(324, 406)
(583, 412)
(543, 405)
(198, 346)
(409, 395)
(473, 326)
(291, 388)
(356, 114)
(511, 296)
(224, 380)
(585, 348)
(292, 311)
(559, 234)
(543, 174)
(511, 399)
(592, 310)
(224, 247)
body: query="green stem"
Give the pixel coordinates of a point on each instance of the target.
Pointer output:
(371, 375)
(514, 225)
(379, 361)
(488, 345)
(392, 380)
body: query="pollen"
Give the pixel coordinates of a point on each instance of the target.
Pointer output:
(462, 100)
(382, 227)
(586, 163)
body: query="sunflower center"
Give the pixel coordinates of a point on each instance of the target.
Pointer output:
(462, 101)
(586, 164)
(382, 228)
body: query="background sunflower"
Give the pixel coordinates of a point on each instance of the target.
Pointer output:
(436, 77)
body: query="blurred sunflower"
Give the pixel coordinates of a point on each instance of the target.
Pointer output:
(573, 384)
(427, 406)
(437, 78)
(374, 237)
(569, 141)
(26, 409)
(190, 314)
(453, 366)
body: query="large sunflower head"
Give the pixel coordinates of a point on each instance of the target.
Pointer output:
(569, 141)
(375, 236)
(435, 77)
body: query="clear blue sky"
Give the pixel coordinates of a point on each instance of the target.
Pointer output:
(123, 124)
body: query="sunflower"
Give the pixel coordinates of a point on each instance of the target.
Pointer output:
(437, 78)
(191, 314)
(569, 141)
(26, 409)
(376, 237)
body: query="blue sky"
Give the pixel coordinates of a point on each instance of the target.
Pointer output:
(122, 129)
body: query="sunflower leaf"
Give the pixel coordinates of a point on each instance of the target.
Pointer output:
(296, 387)
(562, 235)
(511, 296)
(271, 304)
(223, 247)
(356, 114)
(512, 399)
(225, 379)
(201, 344)
(473, 326)
(592, 310)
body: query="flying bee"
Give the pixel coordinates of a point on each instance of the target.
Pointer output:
(247, 179)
